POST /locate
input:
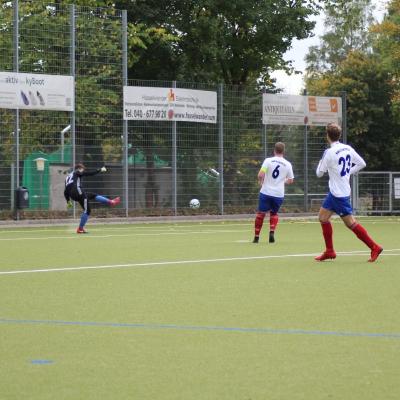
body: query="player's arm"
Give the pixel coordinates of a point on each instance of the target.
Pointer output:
(357, 164)
(91, 173)
(289, 177)
(322, 166)
(261, 175)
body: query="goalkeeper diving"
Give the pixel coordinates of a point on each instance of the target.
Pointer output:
(74, 192)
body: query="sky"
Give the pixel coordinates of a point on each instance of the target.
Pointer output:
(293, 84)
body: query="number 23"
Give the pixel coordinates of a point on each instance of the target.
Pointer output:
(346, 165)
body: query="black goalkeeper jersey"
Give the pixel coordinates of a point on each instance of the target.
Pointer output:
(73, 189)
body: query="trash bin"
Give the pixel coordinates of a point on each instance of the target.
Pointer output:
(22, 197)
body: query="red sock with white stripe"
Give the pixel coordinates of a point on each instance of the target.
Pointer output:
(258, 223)
(273, 222)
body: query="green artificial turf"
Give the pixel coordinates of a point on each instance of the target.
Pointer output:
(197, 311)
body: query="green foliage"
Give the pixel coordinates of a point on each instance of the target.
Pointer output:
(211, 40)
(367, 84)
(363, 65)
(347, 29)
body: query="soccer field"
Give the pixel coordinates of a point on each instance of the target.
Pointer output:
(196, 311)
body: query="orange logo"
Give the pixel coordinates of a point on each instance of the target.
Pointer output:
(334, 105)
(312, 104)
(171, 95)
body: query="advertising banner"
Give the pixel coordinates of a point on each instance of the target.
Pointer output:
(324, 110)
(169, 104)
(281, 109)
(36, 91)
(397, 188)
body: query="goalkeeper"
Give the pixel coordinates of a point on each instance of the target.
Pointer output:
(73, 191)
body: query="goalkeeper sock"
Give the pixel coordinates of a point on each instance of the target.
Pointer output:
(273, 222)
(327, 231)
(362, 234)
(84, 218)
(258, 223)
(102, 199)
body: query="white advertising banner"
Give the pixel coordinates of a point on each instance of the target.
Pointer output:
(36, 91)
(169, 104)
(280, 109)
(324, 110)
(397, 188)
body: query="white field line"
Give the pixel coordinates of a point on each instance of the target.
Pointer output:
(180, 262)
(90, 236)
(153, 225)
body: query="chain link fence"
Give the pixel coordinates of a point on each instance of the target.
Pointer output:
(377, 193)
(156, 167)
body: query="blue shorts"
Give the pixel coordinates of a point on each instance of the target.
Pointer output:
(340, 205)
(269, 203)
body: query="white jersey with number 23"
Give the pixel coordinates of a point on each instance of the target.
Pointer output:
(340, 161)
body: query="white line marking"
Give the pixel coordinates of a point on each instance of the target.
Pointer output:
(90, 236)
(156, 224)
(180, 262)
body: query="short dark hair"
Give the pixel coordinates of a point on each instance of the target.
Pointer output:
(279, 148)
(79, 166)
(334, 131)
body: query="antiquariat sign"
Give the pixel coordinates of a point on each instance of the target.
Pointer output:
(282, 109)
(169, 104)
(36, 91)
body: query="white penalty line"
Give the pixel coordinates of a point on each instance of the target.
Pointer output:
(181, 262)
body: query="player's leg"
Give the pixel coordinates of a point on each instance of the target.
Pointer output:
(84, 202)
(262, 210)
(325, 213)
(104, 200)
(276, 203)
(363, 235)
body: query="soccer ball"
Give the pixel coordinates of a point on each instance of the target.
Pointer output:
(194, 203)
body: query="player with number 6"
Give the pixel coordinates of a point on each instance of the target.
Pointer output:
(275, 172)
(340, 161)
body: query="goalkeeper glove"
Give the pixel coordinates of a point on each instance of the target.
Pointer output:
(69, 204)
(103, 169)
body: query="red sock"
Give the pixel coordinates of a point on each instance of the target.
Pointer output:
(362, 234)
(258, 223)
(327, 231)
(273, 222)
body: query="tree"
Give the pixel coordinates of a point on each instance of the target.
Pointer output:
(347, 29)
(237, 42)
(369, 116)
(387, 47)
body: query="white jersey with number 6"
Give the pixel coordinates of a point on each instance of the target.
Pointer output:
(277, 170)
(340, 161)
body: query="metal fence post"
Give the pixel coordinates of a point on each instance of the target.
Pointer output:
(344, 117)
(391, 192)
(125, 122)
(174, 164)
(354, 192)
(221, 147)
(73, 74)
(16, 69)
(306, 168)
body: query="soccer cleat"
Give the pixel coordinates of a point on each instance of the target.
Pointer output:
(256, 239)
(81, 230)
(271, 237)
(326, 255)
(375, 253)
(115, 201)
